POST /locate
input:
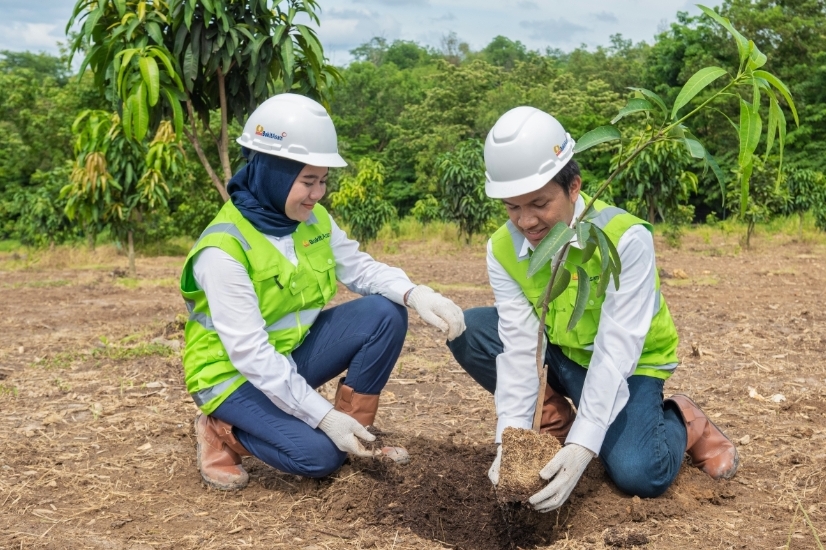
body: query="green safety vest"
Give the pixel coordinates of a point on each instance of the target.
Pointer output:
(659, 353)
(289, 297)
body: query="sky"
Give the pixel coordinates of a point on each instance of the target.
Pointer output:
(345, 24)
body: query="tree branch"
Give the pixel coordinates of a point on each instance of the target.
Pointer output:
(223, 143)
(192, 136)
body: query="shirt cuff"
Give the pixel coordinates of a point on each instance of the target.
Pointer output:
(395, 291)
(586, 434)
(313, 409)
(506, 422)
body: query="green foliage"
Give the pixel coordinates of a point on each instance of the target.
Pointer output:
(427, 210)
(462, 186)
(658, 180)
(37, 214)
(359, 201)
(226, 55)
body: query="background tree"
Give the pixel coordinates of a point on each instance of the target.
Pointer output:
(116, 179)
(211, 55)
(806, 192)
(359, 201)
(462, 186)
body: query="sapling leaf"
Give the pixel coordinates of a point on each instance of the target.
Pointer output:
(583, 289)
(745, 176)
(583, 229)
(695, 148)
(782, 88)
(695, 85)
(550, 245)
(750, 129)
(615, 258)
(588, 251)
(604, 251)
(563, 278)
(634, 105)
(602, 134)
(602, 286)
(721, 177)
(653, 97)
(742, 42)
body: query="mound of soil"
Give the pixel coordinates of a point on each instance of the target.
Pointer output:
(524, 453)
(444, 495)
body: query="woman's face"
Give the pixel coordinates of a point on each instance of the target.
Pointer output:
(307, 190)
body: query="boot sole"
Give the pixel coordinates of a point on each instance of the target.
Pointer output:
(733, 470)
(212, 483)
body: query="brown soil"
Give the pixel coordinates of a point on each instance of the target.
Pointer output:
(97, 450)
(524, 453)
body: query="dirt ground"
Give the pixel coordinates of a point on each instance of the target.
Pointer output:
(97, 448)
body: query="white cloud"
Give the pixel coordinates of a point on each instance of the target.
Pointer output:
(344, 29)
(605, 17)
(527, 5)
(553, 31)
(30, 36)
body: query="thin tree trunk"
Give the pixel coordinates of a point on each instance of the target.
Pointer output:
(90, 238)
(192, 136)
(223, 142)
(800, 225)
(749, 231)
(652, 213)
(131, 247)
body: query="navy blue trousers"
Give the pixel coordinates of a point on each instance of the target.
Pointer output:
(644, 446)
(363, 337)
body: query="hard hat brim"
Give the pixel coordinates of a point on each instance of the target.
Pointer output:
(510, 189)
(329, 160)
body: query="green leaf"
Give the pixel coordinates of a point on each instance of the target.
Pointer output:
(141, 113)
(750, 129)
(695, 148)
(742, 42)
(604, 251)
(757, 58)
(773, 124)
(151, 77)
(745, 176)
(777, 83)
(550, 245)
(158, 53)
(288, 60)
(177, 113)
(154, 30)
(190, 68)
(602, 134)
(604, 279)
(635, 105)
(583, 230)
(588, 251)
(721, 178)
(615, 258)
(653, 97)
(583, 289)
(563, 278)
(695, 85)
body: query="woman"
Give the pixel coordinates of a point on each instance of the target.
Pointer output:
(257, 340)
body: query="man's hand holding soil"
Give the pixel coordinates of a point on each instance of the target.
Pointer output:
(564, 471)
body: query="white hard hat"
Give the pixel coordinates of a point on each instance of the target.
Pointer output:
(524, 150)
(294, 127)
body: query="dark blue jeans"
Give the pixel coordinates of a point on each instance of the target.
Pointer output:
(644, 446)
(363, 337)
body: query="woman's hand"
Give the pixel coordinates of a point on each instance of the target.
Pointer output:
(565, 468)
(437, 310)
(345, 432)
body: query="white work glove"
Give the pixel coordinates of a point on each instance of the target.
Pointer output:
(437, 310)
(493, 472)
(344, 431)
(565, 468)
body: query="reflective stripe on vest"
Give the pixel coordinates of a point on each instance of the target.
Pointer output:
(203, 397)
(228, 228)
(304, 318)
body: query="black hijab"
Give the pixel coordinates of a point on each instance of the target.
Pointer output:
(259, 191)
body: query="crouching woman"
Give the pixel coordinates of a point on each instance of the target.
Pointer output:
(255, 284)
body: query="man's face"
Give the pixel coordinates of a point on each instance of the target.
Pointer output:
(535, 214)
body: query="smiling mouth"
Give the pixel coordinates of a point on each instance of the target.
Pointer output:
(535, 236)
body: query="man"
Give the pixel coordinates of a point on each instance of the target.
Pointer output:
(612, 364)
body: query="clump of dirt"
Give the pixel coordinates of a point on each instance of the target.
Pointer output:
(524, 453)
(624, 537)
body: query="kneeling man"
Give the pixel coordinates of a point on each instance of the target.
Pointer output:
(612, 364)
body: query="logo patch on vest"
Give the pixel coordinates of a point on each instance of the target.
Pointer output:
(315, 240)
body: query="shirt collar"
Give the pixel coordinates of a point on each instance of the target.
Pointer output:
(527, 247)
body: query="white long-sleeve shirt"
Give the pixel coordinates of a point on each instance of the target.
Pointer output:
(624, 322)
(237, 318)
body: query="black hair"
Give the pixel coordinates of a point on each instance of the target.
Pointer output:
(565, 177)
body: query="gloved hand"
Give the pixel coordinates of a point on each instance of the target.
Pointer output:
(437, 310)
(493, 472)
(344, 431)
(565, 468)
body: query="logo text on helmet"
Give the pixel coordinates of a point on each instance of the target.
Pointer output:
(559, 148)
(259, 131)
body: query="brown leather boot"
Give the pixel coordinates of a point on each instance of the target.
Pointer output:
(707, 446)
(363, 407)
(219, 454)
(557, 415)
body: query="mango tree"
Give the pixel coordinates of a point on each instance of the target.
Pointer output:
(360, 201)
(750, 84)
(115, 179)
(183, 59)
